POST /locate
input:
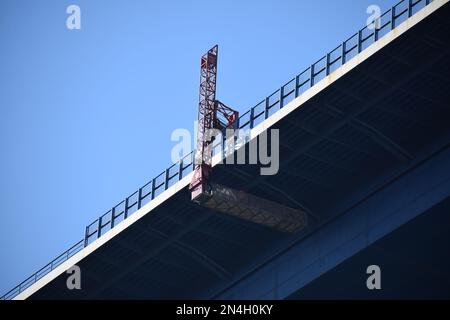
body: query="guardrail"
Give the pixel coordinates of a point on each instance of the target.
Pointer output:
(286, 93)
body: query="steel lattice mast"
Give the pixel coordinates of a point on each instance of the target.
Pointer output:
(207, 96)
(209, 112)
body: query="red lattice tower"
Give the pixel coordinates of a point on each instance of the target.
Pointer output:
(212, 114)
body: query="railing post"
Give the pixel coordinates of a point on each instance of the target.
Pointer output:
(153, 189)
(410, 8)
(297, 84)
(393, 18)
(113, 216)
(180, 170)
(281, 96)
(252, 114)
(327, 69)
(86, 236)
(139, 201)
(99, 229)
(311, 76)
(376, 30)
(166, 179)
(344, 51)
(266, 108)
(125, 209)
(359, 41)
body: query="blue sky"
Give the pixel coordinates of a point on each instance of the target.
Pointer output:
(86, 115)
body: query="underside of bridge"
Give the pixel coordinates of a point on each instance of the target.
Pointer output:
(414, 262)
(386, 117)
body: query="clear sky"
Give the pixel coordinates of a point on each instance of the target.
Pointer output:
(86, 115)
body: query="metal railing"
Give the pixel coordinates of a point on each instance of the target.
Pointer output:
(286, 93)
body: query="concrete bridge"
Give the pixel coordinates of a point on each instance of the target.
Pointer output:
(365, 149)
